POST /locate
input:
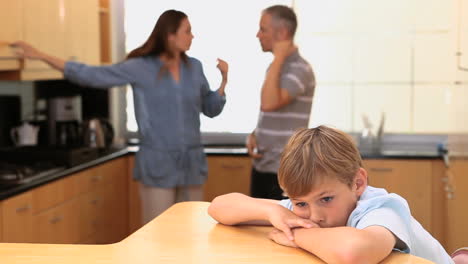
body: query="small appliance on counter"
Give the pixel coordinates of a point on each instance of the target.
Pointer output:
(64, 121)
(97, 133)
(24, 135)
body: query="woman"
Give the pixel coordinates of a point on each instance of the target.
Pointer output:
(170, 92)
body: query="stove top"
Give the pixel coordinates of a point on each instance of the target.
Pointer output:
(18, 173)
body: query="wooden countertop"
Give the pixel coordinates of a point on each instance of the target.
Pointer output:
(185, 233)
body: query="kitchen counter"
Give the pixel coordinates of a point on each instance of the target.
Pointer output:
(185, 233)
(6, 192)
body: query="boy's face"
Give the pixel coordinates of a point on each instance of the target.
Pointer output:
(331, 202)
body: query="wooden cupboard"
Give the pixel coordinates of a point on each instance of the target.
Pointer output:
(66, 29)
(420, 183)
(227, 174)
(407, 178)
(10, 15)
(18, 218)
(457, 213)
(87, 204)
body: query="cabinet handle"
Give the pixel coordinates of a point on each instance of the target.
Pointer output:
(381, 169)
(95, 201)
(55, 219)
(231, 167)
(23, 209)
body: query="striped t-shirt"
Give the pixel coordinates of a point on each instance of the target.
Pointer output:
(274, 128)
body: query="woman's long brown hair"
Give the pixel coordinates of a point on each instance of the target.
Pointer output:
(157, 42)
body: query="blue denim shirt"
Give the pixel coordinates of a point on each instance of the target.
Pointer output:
(167, 113)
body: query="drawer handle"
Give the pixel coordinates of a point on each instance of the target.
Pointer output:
(23, 209)
(95, 201)
(232, 167)
(96, 178)
(55, 220)
(381, 169)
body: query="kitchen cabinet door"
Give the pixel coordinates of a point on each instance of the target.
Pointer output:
(82, 31)
(457, 214)
(11, 20)
(17, 219)
(58, 225)
(227, 174)
(115, 210)
(44, 27)
(410, 179)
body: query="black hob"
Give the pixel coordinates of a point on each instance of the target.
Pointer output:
(12, 174)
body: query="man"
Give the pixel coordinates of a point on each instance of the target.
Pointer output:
(286, 99)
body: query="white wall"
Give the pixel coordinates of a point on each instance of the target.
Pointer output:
(397, 57)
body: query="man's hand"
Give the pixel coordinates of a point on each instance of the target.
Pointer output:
(282, 49)
(284, 220)
(26, 50)
(251, 144)
(279, 237)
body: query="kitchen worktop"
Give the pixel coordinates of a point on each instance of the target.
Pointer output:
(388, 153)
(185, 233)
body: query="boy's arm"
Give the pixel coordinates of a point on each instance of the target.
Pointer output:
(237, 208)
(347, 244)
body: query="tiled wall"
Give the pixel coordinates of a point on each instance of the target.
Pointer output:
(23, 89)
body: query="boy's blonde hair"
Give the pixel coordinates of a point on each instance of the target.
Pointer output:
(313, 154)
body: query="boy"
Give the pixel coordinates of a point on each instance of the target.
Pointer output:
(331, 212)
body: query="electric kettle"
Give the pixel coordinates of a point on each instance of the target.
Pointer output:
(98, 133)
(24, 135)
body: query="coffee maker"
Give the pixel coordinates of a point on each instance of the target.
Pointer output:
(64, 121)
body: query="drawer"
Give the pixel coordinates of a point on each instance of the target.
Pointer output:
(94, 209)
(53, 194)
(90, 179)
(58, 225)
(17, 219)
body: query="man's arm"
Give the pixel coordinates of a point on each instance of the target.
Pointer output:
(346, 244)
(273, 96)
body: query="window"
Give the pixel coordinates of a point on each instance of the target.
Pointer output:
(227, 29)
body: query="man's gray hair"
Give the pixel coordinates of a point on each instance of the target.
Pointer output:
(283, 16)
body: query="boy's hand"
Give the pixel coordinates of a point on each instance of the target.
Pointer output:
(279, 237)
(285, 220)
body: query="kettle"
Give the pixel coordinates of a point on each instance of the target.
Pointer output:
(98, 133)
(24, 135)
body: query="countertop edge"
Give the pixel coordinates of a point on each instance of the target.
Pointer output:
(209, 151)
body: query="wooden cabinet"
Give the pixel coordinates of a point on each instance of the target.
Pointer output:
(90, 203)
(407, 178)
(457, 213)
(10, 14)
(82, 34)
(227, 174)
(17, 218)
(66, 29)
